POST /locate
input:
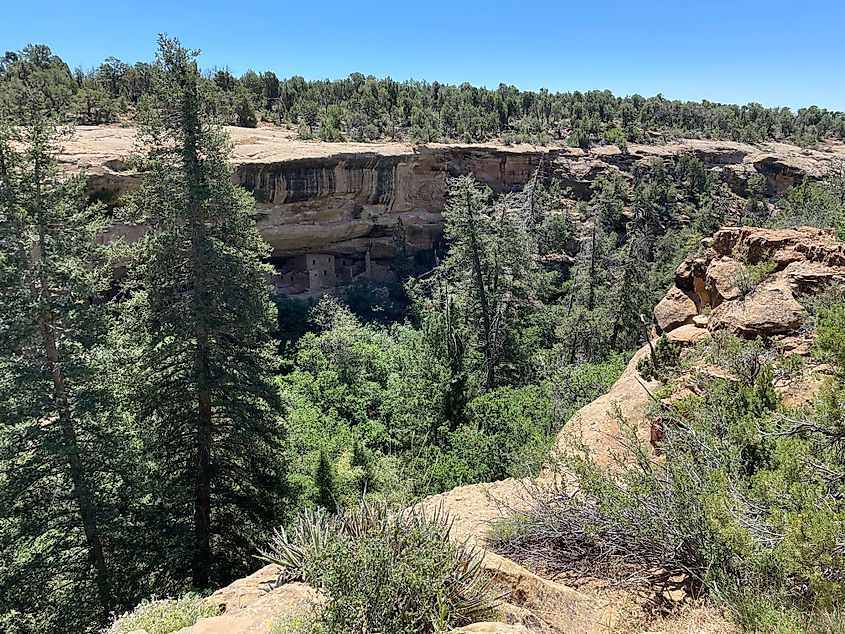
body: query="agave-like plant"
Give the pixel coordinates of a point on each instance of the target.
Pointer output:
(375, 592)
(294, 550)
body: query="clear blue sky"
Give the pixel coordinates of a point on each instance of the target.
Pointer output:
(774, 52)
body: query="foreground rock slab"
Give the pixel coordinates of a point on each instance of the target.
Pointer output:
(251, 607)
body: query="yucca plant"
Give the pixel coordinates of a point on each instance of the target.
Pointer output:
(296, 550)
(385, 571)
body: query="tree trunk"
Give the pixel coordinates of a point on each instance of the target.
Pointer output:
(202, 485)
(482, 296)
(80, 492)
(202, 560)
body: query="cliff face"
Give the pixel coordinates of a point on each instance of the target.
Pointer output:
(343, 200)
(345, 204)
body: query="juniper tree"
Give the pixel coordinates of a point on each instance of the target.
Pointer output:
(206, 398)
(56, 432)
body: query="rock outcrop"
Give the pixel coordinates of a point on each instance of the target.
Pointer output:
(769, 309)
(259, 608)
(342, 201)
(794, 262)
(674, 310)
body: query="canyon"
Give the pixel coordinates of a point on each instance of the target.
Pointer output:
(330, 211)
(535, 603)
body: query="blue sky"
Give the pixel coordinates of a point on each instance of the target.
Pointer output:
(773, 52)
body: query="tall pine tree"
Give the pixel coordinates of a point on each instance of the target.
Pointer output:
(206, 398)
(57, 440)
(491, 270)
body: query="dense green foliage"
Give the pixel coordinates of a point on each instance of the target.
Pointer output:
(141, 445)
(363, 107)
(815, 204)
(745, 502)
(155, 424)
(663, 358)
(385, 572)
(60, 480)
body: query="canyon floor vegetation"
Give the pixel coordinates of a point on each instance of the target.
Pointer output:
(162, 411)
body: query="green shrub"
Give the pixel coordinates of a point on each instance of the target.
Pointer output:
(754, 611)
(617, 137)
(830, 335)
(163, 616)
(245, 116)
(580, 137)
(818, 204)
(663, 358)
(384, 571)
(751, 276)
(745, 359)
(747, 501)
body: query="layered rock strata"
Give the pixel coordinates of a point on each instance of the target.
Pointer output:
(343, 201)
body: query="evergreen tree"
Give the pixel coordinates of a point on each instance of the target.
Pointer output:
(57, 431)
(403, 266)
(202, 311)
(491, 269)
(326, 483)
(631, 302)
(468, 227)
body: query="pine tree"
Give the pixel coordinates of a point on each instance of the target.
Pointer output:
(325, 481)
(56, 431)
(491, 269)
(403, 266)
(202, 310)
(468, 227)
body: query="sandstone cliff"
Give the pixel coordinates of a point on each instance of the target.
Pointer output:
(341, 201)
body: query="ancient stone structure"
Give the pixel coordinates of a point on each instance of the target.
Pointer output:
(345, 199)
(315, 274)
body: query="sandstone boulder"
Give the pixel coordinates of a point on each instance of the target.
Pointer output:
(756, 244)
(806, 260)
(259, 615)
(807, 277)
(674, 310)
(689, 334)
(785, 257)
(598, 424)
(770, 309)
(720, 280)
(553, 603)
(701, 321)
(688, 271)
